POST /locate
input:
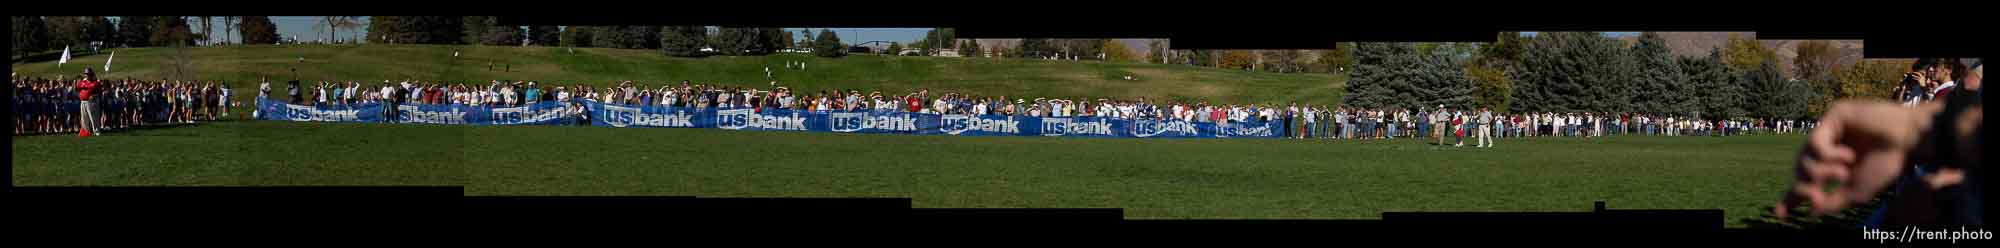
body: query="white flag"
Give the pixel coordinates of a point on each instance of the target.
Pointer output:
(107, 60)
(65, 57)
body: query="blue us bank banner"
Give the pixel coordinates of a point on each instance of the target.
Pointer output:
(616, 115)
(456, 114)
(886, 122)
(882, 122)
(1256, 129)
(281, 111)
(988, 125)
(896, 122)
(1172, 129)
(1083, 127)
(771, 120)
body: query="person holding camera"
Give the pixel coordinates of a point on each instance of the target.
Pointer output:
(87, 115)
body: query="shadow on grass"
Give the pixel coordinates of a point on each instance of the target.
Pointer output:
(126, 130)
(47, 56)
(1849, 219)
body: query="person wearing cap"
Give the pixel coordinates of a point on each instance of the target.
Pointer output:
(978, 108)
(1036, 108)
(1444, 124)
(1440, 124)
(877, 103)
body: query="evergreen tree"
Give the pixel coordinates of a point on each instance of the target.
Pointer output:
(683, 41)
(827, 44)
(30, 35)
(1566, 72)
(1379, 69)
(1714, 87)
(133, 31)
(1660, 79)
(544, 35)
(258, 30)
(1034, 48)
(1439, 80)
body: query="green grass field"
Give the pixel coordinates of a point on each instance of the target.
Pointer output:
(1150, 178)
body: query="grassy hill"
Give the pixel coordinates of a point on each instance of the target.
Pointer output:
(243, 65)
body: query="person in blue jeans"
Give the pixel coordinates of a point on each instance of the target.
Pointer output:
(1423, 124)
(1367, 125)
(1390, 120)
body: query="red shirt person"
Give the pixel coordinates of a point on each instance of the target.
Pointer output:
(88, 116)
(85, 87)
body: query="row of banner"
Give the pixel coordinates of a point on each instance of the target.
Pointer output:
(618, 115)
(449, 114)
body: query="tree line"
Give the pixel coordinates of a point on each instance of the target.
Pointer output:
(36, 34)
(680, 41)
(1588, 71)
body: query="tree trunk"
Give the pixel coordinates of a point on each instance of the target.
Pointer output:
(234, 23)
(207, 30)
(351, 22)
(330, 30)
(228, 29)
